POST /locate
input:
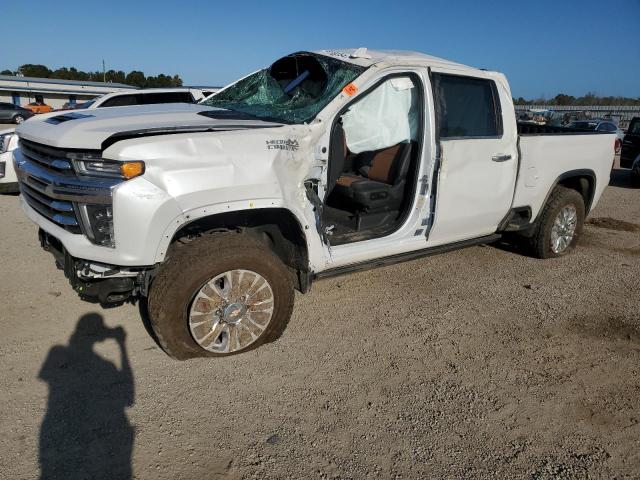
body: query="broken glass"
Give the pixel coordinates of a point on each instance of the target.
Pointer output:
(293, 90)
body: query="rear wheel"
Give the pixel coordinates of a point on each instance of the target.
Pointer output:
(219, 295)
(18, 119)
(560, 224)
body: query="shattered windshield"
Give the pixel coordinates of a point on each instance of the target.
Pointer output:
(293, 90)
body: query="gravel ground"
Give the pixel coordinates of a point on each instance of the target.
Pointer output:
(477, 363)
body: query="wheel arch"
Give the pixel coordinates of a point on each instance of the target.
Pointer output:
(278, 227)
(582, 180)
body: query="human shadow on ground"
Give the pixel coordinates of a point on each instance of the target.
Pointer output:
(85, 433)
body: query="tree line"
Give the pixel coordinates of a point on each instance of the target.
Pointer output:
(589, 99)
(135, 78)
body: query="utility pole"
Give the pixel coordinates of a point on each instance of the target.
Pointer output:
(104, 72)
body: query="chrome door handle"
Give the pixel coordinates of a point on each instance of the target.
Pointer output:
(501, 158)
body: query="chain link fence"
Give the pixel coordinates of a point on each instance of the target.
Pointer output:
(621, 115)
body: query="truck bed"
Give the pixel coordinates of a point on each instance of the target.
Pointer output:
(549, 153)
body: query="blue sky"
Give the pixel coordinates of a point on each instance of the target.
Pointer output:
(544, 47)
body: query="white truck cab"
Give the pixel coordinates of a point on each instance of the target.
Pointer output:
(323, 163)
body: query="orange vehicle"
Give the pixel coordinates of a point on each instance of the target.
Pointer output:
(39, 107)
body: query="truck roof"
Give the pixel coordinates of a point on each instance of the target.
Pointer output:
(366, 58)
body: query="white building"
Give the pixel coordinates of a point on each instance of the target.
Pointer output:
(52, 91)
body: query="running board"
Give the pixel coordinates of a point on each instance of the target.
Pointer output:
(404, 257)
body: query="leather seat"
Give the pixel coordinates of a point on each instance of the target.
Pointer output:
(380, 182)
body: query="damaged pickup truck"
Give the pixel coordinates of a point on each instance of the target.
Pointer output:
(321, 164)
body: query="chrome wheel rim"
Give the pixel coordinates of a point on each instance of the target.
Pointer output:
(19, 120)
(564, 229)
(231, 311)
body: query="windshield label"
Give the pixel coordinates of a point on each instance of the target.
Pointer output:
(291, 145)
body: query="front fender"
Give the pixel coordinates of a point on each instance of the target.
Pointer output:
(305, 218)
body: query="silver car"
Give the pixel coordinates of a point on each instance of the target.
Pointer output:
(601, 125)
(10, 113)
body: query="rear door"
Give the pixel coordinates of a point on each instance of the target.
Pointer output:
(478, 156)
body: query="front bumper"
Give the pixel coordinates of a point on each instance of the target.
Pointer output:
(141, 213)
(106, 291)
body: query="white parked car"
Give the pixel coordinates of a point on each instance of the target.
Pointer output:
(8, 179)
(321, 164)
(147, 96)
(122, 98)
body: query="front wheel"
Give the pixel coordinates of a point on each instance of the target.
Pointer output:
(218, 295)
(18, 119)
(560, 224)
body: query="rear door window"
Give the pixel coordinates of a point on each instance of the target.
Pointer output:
(165, 97)
(120, 101)
(467, 107)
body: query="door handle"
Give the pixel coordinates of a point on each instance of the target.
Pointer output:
(501, 158)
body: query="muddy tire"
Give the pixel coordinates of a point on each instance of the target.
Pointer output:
(218, 295)
(560, 224)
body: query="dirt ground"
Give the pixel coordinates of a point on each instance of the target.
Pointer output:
(477, 363)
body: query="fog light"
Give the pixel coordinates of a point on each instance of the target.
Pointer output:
(99, 220)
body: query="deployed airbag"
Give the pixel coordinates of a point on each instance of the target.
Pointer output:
(385, 117)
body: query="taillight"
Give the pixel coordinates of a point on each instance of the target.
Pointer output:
(617, 145)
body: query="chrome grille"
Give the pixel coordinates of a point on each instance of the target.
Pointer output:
(52, 189)
(59, 212)
(49, 157)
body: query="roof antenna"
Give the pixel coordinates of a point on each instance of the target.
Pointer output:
(360, 53)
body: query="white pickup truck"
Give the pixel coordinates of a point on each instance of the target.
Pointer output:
(321, 164)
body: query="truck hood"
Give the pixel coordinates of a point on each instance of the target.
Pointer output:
(96, 129)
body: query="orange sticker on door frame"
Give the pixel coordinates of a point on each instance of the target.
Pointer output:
(350, 89)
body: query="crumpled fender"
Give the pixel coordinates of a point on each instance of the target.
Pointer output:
(209, 173)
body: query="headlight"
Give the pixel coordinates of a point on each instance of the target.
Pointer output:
(98, 224)
(94, 165)
(5, 140)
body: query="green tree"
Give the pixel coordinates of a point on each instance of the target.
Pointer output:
(562, 99)
(136, 78)
(62, 72)
(116, 76)
(34, 70)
